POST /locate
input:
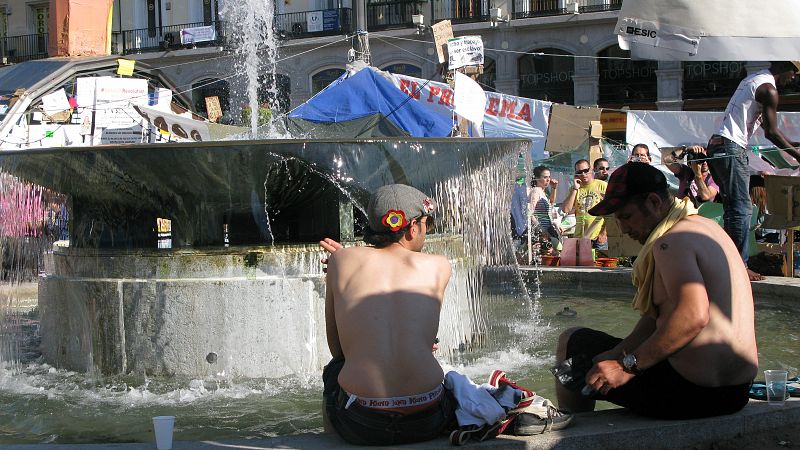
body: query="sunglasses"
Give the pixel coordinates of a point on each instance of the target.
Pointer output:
(602, 168)
(430, 223)
(581, 172)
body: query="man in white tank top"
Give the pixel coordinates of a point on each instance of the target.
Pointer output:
(754, 104)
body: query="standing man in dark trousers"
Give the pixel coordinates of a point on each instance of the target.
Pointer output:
(754, 103)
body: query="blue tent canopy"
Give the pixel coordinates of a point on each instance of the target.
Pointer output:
(368, 94)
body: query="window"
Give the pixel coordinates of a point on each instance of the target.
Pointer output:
(404, 69)
(323, 78)
(547, 77)
(623, 81)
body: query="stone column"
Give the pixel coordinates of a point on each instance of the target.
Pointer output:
(585, 82)
(507, 71)
(670, 86)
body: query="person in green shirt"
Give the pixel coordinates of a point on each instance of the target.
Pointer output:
(586, 192)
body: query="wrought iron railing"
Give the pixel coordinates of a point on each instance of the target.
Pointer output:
(15, 49)
(324, 22)
(162, 38)
(539, 8)
(587, 6)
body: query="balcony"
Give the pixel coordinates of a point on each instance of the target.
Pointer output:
(323, 22)
(162, 38)
(15, 49)
(541, 8)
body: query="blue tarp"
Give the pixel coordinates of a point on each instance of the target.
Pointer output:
(366, 94)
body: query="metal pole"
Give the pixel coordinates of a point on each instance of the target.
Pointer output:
(361, 15)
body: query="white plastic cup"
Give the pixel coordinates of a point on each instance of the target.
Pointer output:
(162, 427)
(776, 386)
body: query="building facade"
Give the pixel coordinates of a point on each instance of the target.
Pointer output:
(556, 50)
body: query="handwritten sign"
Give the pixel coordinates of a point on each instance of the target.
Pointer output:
(213, 108)
(442, 32)
(464, 51)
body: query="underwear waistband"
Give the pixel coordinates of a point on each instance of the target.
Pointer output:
(405, 401)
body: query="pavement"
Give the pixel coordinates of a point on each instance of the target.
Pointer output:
(609, 429)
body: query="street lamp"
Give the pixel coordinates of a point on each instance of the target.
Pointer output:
(496, 17)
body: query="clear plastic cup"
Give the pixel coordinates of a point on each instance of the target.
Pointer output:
(776, 386)
(162, 427)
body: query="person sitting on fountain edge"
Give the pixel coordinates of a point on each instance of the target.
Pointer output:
(382, 304)
(693, 351)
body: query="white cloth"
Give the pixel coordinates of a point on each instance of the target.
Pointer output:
(476, 404)
(743, 114)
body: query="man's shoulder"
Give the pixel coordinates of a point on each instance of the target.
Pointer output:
(597, 185)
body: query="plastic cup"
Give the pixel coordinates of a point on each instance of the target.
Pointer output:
(162, 427)
(776, 386)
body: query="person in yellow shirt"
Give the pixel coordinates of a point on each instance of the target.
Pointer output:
(586, 192)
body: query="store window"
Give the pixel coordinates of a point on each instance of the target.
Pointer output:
(711, 79)
(404, 69)
(547, 76)
(323, 78)
(625, 82)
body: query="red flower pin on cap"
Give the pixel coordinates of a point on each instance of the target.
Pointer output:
(395, 219)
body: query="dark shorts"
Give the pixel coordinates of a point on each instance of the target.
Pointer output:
(659, 391)
(360, 425)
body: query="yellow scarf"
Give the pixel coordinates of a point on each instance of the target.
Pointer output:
(644, 266)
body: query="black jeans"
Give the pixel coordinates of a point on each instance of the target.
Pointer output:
(659, 391)
(360, 425)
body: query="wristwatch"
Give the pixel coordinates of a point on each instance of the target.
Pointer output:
(629, 364)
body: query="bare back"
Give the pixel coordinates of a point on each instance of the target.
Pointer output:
(386, 305)
(699, 267)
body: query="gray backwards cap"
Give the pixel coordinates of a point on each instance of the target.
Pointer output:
(392, 207)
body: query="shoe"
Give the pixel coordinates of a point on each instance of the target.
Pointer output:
(473, 432)
(545, 418)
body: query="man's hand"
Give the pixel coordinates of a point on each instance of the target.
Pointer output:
(330, 246)
(576, 184)
(606, 375)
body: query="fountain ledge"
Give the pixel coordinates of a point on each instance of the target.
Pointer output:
(609, 429)
(780, 291)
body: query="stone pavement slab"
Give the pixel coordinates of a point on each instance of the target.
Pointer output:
(609, 429)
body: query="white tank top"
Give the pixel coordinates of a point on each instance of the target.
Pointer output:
(743, 114)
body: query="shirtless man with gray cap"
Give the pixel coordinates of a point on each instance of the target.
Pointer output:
(382, 306)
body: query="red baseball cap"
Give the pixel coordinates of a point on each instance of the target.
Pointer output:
(628, 180)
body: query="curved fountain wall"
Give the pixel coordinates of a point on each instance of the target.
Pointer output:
(113, 303)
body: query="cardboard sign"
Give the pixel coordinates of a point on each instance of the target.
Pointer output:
(464, 51)
(442, 32)
(569, 127)
(213, 108)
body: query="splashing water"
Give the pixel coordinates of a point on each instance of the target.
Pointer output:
(251, 30)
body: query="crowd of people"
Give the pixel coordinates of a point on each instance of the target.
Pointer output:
(695, 338)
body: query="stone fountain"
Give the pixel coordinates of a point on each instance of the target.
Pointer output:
(241, 291)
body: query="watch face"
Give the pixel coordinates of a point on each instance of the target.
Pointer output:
(629, 361)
